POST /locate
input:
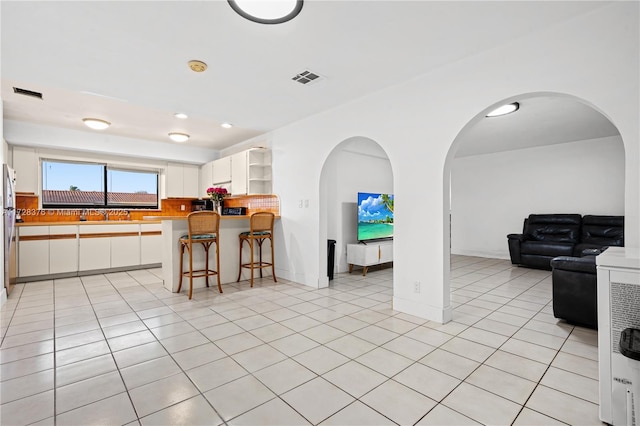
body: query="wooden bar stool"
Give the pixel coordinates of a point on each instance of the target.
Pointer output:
(261, 229)
(204, 227)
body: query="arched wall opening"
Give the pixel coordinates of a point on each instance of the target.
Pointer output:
(357, 164)
(488, 195)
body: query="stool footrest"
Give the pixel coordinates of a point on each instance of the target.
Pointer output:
(256, 265)
(200, 273)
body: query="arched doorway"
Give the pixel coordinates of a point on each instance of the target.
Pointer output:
(557, 154)
(357, 164)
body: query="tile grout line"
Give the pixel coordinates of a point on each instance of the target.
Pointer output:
(172, 358)
(352, 287)
(135, 411)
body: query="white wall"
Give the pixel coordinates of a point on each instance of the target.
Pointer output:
(417, 122)
(493, 193)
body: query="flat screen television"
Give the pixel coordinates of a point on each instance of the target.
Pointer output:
(375, 216)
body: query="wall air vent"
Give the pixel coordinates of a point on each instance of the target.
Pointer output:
(307, 77)
(26, 92)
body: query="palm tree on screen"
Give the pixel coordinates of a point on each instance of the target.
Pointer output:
(388, 202)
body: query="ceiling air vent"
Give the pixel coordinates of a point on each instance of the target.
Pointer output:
(26, 92)
(307, 77)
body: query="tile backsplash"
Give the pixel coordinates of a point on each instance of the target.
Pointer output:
(27, 206)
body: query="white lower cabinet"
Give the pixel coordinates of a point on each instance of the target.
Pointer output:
(33, 251)
(60, 249)
(94, 248)
(150, 243)
(372, 253)
(125, 245)
(63, 249)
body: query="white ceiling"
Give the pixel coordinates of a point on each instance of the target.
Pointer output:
(126, 62)
(541, 120)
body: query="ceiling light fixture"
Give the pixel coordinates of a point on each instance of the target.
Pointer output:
(267, 11)
(96, 123)
(197, 66)
(179, 137)
(504, 109)
(180, 115)
(226, 125)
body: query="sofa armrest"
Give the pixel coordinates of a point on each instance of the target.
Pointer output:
(574, 288)
(514, 247)
(586, 265)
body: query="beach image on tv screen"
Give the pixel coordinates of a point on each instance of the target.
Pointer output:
(375, 216)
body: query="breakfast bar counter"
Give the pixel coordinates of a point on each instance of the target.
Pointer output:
(173, 227)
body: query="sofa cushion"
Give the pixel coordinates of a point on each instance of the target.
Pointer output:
(546, 248)
(579, 249)
(560, 228)
(603, 230)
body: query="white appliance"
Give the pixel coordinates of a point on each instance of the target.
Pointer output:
(618, 310)
(9, 220)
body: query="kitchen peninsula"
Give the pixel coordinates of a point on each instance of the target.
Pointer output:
(173, 227)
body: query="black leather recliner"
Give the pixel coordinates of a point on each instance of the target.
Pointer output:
(546, 236)
(575, 281)
(600, 231)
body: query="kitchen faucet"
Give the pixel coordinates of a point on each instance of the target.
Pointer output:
(104, 213)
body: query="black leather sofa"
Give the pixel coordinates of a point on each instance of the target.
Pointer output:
(546, 236)
(575, 286)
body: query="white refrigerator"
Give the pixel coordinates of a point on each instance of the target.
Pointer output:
(9, 220)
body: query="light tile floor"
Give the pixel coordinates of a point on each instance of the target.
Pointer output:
(119, 349)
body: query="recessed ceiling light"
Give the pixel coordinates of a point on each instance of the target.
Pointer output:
(96, 123)
(267, 11)
(226, 125)
(181, 115)
(504, 109)
(179, 137)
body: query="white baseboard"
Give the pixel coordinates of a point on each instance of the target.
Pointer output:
(3, 296)
(420, 310)
(482, 253)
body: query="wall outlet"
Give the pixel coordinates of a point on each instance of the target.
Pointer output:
(306, 204)
(299, 204)
(182, 207)
(416, 287)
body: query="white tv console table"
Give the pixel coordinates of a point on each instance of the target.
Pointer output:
(371, 253)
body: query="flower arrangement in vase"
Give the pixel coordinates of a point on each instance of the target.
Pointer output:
(217, 196)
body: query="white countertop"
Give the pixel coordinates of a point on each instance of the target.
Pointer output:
(620, 257)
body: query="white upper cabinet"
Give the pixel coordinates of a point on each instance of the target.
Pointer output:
(206, 178)
(222, 171)
(191, 182)
(251, 172)
(174, 180)
(182, 180)
(239, 173)
(25, 163)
